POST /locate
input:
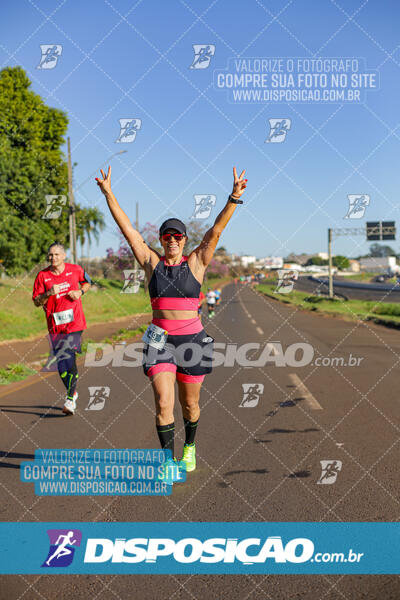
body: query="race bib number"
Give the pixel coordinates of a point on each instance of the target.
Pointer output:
(64, 316)
(155, 336)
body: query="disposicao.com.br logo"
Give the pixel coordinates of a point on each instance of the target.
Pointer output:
(200, 547)
(247, 551)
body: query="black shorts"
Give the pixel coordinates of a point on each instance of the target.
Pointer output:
(189, 356)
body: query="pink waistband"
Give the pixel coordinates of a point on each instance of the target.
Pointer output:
(179, 326)
(175, 303)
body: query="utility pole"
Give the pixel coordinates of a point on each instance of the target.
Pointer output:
(145, 286)
(330, 262)
(134, 260)
(72, 223)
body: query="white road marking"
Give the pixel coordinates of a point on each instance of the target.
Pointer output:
(253, 321)
(309, 399)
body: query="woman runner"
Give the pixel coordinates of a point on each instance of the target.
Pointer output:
(174, 286)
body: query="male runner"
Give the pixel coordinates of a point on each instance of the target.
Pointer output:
(59, 289)
(211, 302)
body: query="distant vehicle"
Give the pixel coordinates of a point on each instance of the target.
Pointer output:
(319, 269)
(382, 278)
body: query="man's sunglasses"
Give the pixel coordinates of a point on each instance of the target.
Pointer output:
(177, 236)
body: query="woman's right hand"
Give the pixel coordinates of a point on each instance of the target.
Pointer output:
(105, 183)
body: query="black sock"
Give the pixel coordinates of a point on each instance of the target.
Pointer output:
(166, 436)
(190, 430)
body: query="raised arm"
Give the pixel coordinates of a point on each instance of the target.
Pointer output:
(201, 256)
(143, 254)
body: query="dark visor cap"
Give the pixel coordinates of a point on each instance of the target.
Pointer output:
(173, 224)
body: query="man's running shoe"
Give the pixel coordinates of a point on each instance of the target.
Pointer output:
(172, 471)
(189, 457)
(70, 405)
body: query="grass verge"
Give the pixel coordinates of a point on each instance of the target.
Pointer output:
(20, 319)
(14, 372)
(382, 313)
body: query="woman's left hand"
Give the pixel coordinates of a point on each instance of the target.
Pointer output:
(239, 184)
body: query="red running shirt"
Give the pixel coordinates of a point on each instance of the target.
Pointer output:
(69, 280)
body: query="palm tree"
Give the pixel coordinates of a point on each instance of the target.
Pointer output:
(89, 222)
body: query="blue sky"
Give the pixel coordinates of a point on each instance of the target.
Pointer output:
(131, 59)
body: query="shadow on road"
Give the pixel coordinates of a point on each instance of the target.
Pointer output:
(299, 474)
(7, 465)
(256, 471)
(43, 415)
(226, 484)
(276, 430)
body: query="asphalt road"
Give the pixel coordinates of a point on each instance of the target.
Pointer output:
(378, 292)
(258, 463)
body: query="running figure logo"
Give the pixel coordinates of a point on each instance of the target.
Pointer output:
(251, 394)
(67, 344)
(330, 470)
(278, 129)
(132, 277)
(203, 205)
(357, 205)
(286, 281)
(202, 56)
(50, 55)
(62, 547)
(98, 396)
(54, 206)
(128, 129)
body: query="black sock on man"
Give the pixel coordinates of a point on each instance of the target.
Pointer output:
(190, 430)
(166, 434)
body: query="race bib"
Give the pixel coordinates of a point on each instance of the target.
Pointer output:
(155, 336)
(64, 316)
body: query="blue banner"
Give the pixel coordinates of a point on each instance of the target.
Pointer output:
(229, 548)
(98, 472)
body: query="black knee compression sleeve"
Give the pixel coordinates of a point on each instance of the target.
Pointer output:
(166, 436)
(190, 430)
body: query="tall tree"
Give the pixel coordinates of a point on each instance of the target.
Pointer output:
(32, 166)
(381, 250)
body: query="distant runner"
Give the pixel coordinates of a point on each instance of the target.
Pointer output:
(211, 300)
(59, 289)
(217, 296)
(202, 297)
